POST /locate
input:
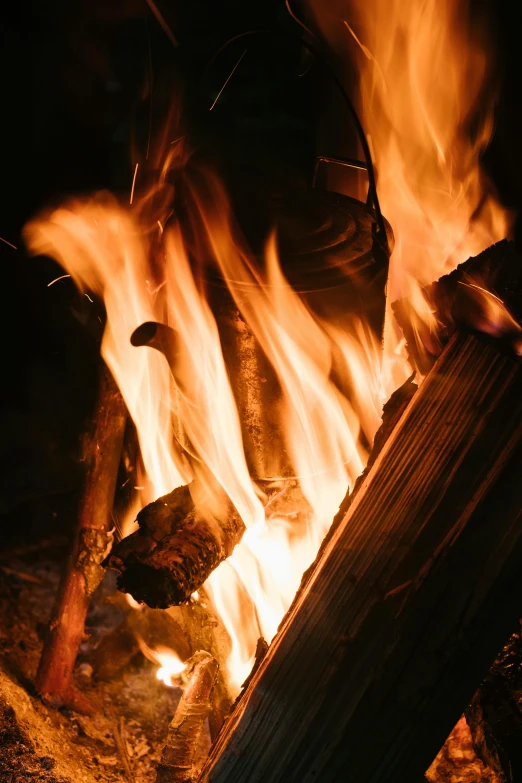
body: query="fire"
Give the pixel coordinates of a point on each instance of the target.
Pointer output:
(170, 666)
(143, 273)
(421, 79)
(108, 250)
(427, 99)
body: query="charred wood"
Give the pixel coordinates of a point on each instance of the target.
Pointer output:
(186, 629)
(482, 294)
(174, 550)
(495, 714)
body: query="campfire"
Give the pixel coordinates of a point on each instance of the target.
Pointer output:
(301, 484)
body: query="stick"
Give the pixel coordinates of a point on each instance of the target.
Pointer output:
(118, 732)
(204, 630)
(83, 571)
(178, 757)
(187, 629)
(413, 595)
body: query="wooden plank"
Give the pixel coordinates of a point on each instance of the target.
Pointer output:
(413, 595)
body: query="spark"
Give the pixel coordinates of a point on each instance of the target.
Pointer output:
(160, 227)
(8, 243)
(139, 487)
(133, 183)
(89, 298)
(116, 525)
(161, 20)
(228, 79)
(484, 291)
(298, 21)
(62, 277)
(369, 56)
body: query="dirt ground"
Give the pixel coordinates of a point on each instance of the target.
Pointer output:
(122, 741)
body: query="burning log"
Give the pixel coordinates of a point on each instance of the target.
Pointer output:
(178, 757)
(84, 570)
(385, 643)
(174, 551)
(468, 296)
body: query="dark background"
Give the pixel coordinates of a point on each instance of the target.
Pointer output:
(76, 81)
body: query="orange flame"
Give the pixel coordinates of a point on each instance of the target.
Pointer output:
(170, 666)
(427, 105)
(115, 253)
(421, 79)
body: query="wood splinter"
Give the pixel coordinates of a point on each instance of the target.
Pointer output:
(178, 758)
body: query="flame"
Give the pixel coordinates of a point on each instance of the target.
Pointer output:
(170, 665)
(421, 78)
(144, 274)
(427, 99)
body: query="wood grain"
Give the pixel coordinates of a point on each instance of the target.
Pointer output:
(410, 600)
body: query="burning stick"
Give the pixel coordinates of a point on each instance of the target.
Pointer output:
(174, 551)
(178, 757)
(413, 595)
(84, 570)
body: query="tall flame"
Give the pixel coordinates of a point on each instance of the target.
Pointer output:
(117, 253)
(421, 78)
(427, 99)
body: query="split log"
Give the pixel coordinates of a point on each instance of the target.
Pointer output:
(483, 293)
(84, 571)
(414, 594)
(175, 549)
(178, 757)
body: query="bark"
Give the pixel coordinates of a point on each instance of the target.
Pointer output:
(386, 643)
(174, 551)
(83, 570)
(178, 757)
